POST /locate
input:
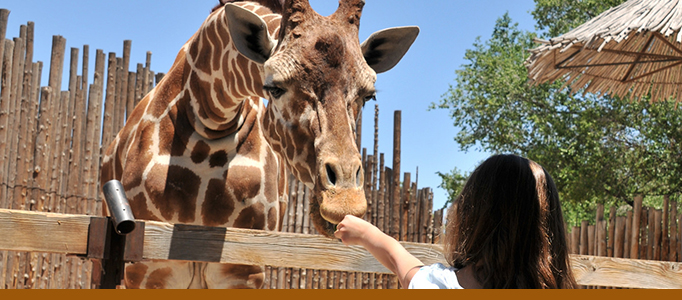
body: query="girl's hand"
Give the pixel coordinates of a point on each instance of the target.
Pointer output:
(353, 230)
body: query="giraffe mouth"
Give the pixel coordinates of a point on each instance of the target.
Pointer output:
(330, 207)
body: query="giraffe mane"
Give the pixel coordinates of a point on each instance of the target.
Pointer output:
(276, 6)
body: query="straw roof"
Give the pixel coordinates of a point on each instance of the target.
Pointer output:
(629, 50)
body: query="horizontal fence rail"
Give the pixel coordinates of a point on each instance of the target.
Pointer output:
(68, 234)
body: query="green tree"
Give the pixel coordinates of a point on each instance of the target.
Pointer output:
(598, 149)
(453, 183)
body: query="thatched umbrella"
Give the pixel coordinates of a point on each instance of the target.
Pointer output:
(629, 50)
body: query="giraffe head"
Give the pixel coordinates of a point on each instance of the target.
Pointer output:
(317, 77)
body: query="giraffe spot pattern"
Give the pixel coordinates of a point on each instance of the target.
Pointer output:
(218, 159)
(244, 271)
(251, 217)
(138, 204)
(218, 205)
(139, 156)
(135, 273)
(272, 218)
(173, 190)
(245, 181)
(157, 279)
(200, 152)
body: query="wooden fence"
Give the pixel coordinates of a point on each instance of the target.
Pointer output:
(50, 153)
(642, 233)
(50, 142)
(81, 235)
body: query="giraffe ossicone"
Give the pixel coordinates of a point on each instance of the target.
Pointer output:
(202, 148)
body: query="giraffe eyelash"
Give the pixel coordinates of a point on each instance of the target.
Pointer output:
(275, 92)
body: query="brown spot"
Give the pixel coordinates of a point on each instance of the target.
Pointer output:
(173, 190)
(290, 146)
(182, 129)
(252, 217)
(250, 147)
(221, 93)
(139, 156)
(202, 94)
(241, 63)
(135, 274)
(158, 278)
(270, 169)
(251, 275)
(138, 204)
(245, 181)
(200, 152)
(218, 205)
(256, 82)
(223, 34)
(218, 159)
(272, 218)
(204, 49)
(214, 39)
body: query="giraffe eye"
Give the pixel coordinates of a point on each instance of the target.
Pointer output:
(370, 97)
(275, 92)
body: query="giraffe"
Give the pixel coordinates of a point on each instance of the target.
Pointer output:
(203, 148)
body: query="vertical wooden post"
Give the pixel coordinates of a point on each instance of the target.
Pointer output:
(14, 121)
(381, 208)
(119, 103)
(628, 235)
(665, 239)
(57, 63)
(405, 206)
(601, 238)
(612, 231)
(597, 227)
(619, 236)
(4, 16)
(658, 215)
(636, 218)
(575, 240)
(109, 101)
(584, 243)
(127, 44)
(651, 232)
(6, 86)
(396, 206)
(673, 256)
(591, 240)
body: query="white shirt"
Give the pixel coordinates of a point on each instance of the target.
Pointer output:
(435, 276)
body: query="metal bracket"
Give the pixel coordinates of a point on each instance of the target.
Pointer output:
(115, 240)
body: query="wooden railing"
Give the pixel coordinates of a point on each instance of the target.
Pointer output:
(68, 234)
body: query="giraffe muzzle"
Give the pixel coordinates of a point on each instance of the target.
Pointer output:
(341, 192)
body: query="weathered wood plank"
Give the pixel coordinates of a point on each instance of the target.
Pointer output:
(41, 232)
(62, 233)
(228, 245)
(632, 273)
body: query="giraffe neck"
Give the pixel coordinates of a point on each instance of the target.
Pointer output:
(216, 79)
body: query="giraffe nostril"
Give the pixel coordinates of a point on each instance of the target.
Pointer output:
(331, 176)
(358, 179)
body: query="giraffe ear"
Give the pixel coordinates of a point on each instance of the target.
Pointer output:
(249, 33)
(384, 49)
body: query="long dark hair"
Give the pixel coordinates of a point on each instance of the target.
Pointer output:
(507, 224)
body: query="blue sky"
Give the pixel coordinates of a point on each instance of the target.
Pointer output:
(448, 28)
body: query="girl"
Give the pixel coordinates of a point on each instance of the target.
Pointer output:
(505, 230)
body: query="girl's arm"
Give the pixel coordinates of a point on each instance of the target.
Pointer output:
(356, 231)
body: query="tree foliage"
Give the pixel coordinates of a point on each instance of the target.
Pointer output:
(598, 149)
